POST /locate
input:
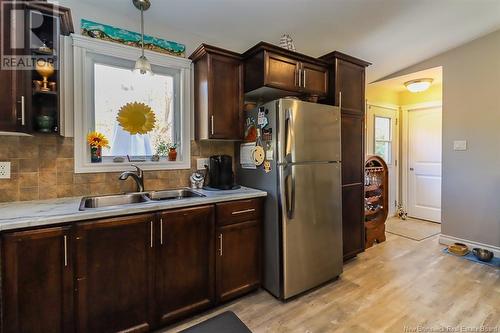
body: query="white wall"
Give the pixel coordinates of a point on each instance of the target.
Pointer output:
(471, 111)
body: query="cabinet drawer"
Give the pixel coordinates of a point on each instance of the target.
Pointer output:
(238, 211)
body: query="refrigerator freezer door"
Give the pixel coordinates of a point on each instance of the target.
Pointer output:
(311, 224)
(308, 132)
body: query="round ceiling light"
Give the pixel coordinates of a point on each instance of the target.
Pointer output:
(418, 85)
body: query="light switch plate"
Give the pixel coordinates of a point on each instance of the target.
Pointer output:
(4, 170)
(460, 145)
(201, 162)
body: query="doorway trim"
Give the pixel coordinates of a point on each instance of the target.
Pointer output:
(369, 144)
(405, 109)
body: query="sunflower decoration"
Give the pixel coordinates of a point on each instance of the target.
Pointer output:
(97, 140)
(136, 118)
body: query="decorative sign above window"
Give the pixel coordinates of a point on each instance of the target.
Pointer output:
(122, 36)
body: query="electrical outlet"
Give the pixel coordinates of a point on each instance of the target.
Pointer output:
(201, 162)
(4, 170)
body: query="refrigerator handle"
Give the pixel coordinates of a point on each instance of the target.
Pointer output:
(290, 197)
(289, 136)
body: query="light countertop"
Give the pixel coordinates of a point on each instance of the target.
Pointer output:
(17, 215)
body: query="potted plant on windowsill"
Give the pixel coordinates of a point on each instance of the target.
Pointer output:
(96, 142)
(172, 152)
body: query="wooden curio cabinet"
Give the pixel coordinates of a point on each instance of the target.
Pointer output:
(376, 199)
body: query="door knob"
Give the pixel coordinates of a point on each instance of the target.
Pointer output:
(411, 169)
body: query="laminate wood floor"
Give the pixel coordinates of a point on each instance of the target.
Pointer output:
(400, 285)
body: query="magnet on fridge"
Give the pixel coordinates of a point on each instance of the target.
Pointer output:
(262, 120)
(259, 155)
(269, 155)
(267, 166)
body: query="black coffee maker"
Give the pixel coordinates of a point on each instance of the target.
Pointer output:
(220, 172)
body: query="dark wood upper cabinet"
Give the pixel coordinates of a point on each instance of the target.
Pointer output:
(281, 72)
(347, 77)
(315, 78)
(21, 103)
(347, 90)
(114, 274)
(238, 258)
(185, 265)
(273, 72)
(37, 283)
(218, 93)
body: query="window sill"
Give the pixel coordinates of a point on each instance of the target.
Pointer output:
(118, 167)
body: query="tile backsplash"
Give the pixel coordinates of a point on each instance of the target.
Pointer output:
(42, 167)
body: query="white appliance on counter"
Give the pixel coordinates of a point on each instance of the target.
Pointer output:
(301, 172)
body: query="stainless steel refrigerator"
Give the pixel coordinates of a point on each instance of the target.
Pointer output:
(302, 174)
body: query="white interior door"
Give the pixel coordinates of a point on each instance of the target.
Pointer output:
(382, 140)
(424, 163)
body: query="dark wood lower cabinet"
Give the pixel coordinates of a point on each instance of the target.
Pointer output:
(353, 228)
(37, 281)
(114, 274)
(238, 259)
(184, 267)
(131, 273)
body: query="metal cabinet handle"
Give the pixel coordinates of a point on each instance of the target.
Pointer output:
(340, 100)
(23, 111)
(161, 231)
(243, 211)
(220, 245)
(304, 78)
(65, 240)
(212, 124)
(151, 231)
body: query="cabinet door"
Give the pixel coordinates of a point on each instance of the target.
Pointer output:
(314, 79)
(350, 86)
(238, 259)
(353, 228)
(352, 149)
(37, 281)
(226, 97)
(281, 72)
(185, 276)
(13, 100)
(114, 274)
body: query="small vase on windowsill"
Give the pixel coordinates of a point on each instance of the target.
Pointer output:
(95, 154)
(172, 154)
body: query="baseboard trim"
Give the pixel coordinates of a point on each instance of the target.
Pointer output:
(448, 240)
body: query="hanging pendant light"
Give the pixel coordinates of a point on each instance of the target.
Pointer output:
(142, 65)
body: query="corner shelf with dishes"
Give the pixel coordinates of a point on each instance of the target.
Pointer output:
(376, 200)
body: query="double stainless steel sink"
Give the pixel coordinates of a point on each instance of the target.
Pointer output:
(135, 198)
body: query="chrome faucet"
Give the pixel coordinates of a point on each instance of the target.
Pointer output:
(137, 176)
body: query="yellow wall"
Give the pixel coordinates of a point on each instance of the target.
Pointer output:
(433, 94)
(377, 94)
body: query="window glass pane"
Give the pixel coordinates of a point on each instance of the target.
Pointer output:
(383, 149)
(113, 88)
(382, 128)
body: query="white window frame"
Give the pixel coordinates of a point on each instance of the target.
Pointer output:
(390, 141)
(85, 50)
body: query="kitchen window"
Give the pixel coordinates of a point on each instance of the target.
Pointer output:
(383, 138)
(107, 84)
